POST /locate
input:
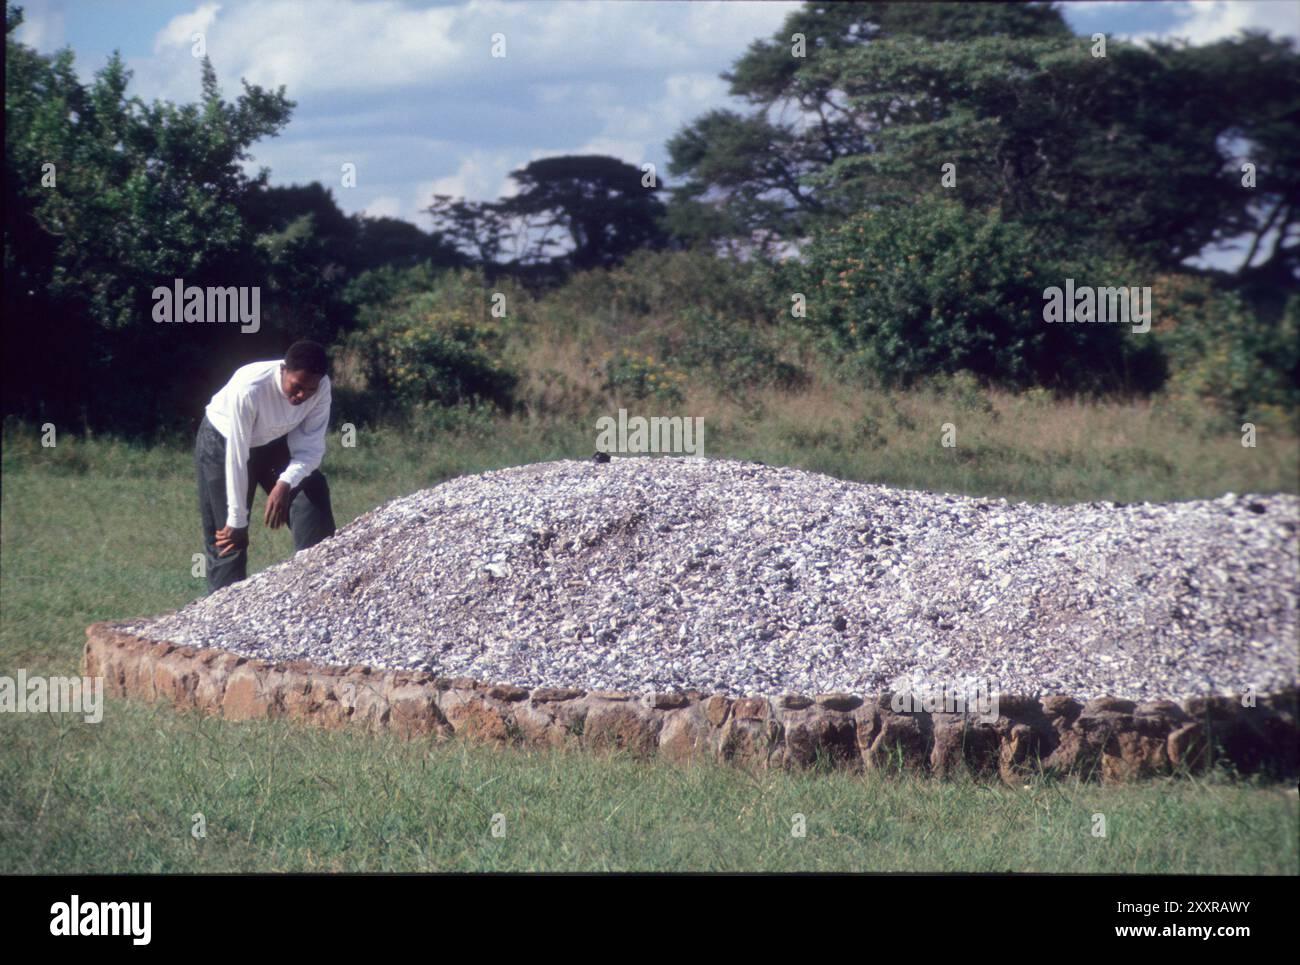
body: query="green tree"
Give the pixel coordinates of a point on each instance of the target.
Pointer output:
(107, 198)
(426, 337)
(477, 229)
(1252, 83)
(748, 172)
(391, 241)
(1139, 150)
(937, 288)
(1130, 151)
(599, 202)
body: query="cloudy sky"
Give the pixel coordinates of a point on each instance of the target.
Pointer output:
(410, 93)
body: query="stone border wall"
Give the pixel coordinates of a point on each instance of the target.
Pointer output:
(1107, 738)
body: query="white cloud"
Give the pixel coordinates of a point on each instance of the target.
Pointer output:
(319, 46)
(180, 30)
(384, 206)
(1210, 20)
(1205, 21)
(414, 99)
(481, 176)
(636, 121)
(43, 27)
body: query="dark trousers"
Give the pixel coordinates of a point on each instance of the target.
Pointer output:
(311, 518)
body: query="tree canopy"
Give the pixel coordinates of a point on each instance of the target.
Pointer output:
(1139, 149)
(107, 197)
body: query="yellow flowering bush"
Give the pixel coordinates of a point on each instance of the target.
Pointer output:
(639, 376)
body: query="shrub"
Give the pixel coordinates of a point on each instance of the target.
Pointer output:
(964, 391)
(661, 284)
(429, 421)
(936, 289)
(373, 293)
(372, 290)
(438, 346)
(735, 355)
(1220, 351)
(634, 376)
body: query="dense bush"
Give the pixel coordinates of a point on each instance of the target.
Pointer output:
(934, 296)
(732, 354)
(658, 284)
(373, 290)
(936, 289)
(629, 375)
(373, 293)
(432, 422)
(440, 345)
(1219, 350)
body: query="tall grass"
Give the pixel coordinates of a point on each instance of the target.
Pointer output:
(722, 348)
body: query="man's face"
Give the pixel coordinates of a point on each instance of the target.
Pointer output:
(298, 385)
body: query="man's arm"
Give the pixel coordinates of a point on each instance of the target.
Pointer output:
(241, 431)
(307, 440)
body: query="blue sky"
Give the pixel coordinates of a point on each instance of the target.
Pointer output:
(410, 94)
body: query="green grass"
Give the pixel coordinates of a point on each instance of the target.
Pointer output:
(97, 529)
(122, 795)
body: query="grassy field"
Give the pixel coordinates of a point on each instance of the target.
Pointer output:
(123, 795)
(98, 529)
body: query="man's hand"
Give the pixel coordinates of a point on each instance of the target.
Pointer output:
(277, 505)
(230, 539)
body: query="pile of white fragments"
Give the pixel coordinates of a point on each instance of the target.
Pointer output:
(737, 578)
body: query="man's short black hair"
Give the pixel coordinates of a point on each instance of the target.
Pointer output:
(307, 356)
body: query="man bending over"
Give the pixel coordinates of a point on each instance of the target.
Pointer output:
(265, 427)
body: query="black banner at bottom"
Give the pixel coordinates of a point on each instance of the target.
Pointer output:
(141, 913)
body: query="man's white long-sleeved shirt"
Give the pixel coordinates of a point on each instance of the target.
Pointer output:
(252, 410)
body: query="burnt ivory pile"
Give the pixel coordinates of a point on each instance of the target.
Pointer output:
(736, 578)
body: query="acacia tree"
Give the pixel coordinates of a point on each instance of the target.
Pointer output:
(599, 202)
(1132, 151)
(749, 172)
(1138, 150)
(478, 229)
(595, 208)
